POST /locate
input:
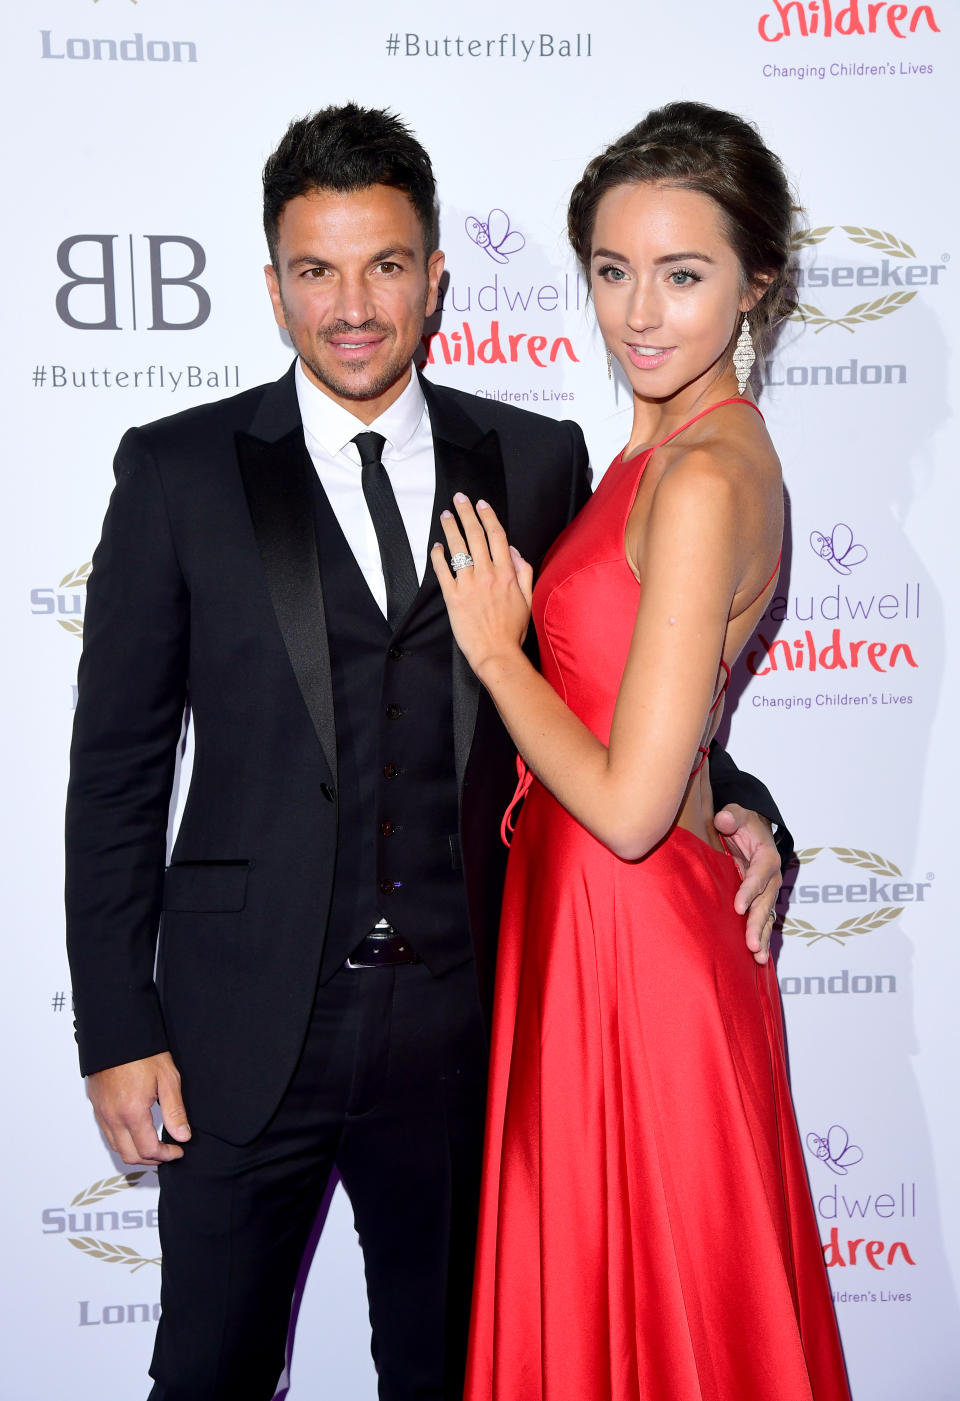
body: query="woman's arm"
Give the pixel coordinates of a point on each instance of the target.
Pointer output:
(695, 554)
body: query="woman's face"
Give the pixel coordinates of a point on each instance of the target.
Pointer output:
(666, 285)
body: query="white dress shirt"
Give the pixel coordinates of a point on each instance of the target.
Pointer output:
(329, 429)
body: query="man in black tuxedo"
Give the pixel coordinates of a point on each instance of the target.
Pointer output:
(328, 919)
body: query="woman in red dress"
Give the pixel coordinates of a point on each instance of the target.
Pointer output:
(646, 1228)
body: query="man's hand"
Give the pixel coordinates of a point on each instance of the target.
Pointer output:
(123, 1097)
(750, 839)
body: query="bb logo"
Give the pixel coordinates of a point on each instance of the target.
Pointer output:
(903, 274)
(88, 301)
(835, 1150)
(495, 236)
(838, 548)
(886, 891)
(66, 600)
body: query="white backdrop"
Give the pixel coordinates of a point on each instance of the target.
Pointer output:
(136, 130)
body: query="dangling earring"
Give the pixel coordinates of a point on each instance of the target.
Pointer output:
(744, 356)
(609, 364)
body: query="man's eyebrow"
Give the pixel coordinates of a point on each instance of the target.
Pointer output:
(310, 260)
(400, 250)
(306, 260)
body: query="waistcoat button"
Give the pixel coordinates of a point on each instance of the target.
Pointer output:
(391, 771)
(395, 652)
(386, 829)
(394, 712)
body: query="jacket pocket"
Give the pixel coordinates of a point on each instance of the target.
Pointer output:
(206, 887)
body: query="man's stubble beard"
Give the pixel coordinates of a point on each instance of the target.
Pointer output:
(346, 389)
(392, 371)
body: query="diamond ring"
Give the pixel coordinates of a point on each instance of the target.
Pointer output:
(460, 561)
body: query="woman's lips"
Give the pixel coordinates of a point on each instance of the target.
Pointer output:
(649, 357)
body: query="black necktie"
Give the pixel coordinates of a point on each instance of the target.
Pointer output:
(399, 570)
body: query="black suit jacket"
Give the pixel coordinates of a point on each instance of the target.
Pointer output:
(205, 591)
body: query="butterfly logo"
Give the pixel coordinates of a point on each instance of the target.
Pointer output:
(838, 548)
(835, 1150)
(495, 236)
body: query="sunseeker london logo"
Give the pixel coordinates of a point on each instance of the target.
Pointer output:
(898, 269)
(100, 1219)
(66, 602)
(846, 893)
(833, 265)
(130, 48)
(113, 1221)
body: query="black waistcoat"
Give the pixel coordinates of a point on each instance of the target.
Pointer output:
(398, 850)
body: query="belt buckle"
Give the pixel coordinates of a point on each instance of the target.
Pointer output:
(383, 930)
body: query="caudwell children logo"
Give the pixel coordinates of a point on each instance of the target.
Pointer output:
(870, 627)
(495, 236)
(838, 548)
(854, 1209)
(524, 309)
(835, 1149)
(794, 19)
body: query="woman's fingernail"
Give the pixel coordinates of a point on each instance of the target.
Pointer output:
(483, 505)
(446, 515)
(459, 496)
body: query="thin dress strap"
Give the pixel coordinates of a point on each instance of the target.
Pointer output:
(703, 752)
(703, 413)
(773, 575)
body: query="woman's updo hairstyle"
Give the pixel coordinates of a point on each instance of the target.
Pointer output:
(695, 147)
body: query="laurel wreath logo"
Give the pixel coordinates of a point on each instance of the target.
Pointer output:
(109, 1251)
(113, 1254)
(76, 579)
(106, 1187)
(859, 924)
(879, 239)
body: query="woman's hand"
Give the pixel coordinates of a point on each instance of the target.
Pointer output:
(489, 600)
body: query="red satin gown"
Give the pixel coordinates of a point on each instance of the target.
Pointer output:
(646, 1229)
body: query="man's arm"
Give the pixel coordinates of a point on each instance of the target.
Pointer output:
(132, 686)
(580, 473)
(732, 785)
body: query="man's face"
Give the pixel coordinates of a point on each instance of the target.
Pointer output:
(352, 289)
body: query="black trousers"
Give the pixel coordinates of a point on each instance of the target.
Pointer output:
(389, 1091)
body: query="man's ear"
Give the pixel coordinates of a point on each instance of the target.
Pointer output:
(435, 265)
(273, 287)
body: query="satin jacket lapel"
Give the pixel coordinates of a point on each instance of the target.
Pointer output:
(468, 461)
(277, 479)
